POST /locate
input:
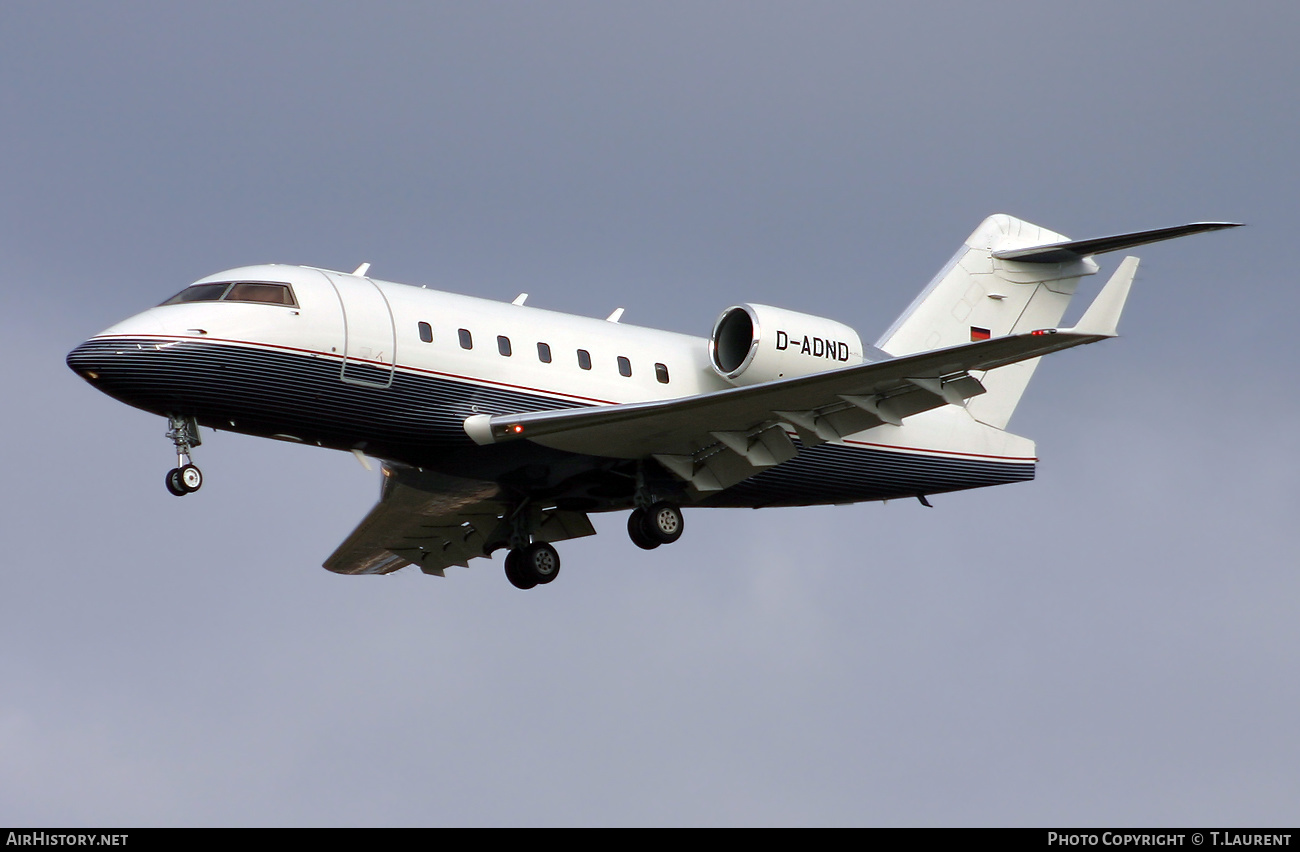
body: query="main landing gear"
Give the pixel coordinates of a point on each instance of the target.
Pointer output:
(653, 522)
(186, 477)
(656, 524)
(535, 564)
(529, 563)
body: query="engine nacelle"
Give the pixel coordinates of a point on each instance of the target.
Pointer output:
(758, 343)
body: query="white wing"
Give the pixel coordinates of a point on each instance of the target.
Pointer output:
(717, 439)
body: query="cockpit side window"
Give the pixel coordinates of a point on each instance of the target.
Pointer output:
(198, 293)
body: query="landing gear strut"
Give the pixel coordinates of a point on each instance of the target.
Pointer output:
(185, 478)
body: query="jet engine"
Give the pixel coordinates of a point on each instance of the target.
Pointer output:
(759, 343)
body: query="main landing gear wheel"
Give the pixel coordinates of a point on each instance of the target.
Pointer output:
(664, 522)
(534, 565)
(661, 523)
(637, 532)
(515, 574)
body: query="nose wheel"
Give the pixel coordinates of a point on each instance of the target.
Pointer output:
(185, 478)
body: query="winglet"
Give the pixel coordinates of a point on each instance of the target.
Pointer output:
(1102, 317)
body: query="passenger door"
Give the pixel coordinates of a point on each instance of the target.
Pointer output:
(369, 339)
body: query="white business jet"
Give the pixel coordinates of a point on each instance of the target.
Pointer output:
(504, 426)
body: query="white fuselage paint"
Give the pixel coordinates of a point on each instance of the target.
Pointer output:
(358, 320)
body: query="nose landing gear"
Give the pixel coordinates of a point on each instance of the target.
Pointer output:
(185, 478)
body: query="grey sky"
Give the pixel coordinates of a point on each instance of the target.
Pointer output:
(1114, 643)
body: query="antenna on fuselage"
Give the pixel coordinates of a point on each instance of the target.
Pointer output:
(519, 300)
(616, 316)
(362, 270)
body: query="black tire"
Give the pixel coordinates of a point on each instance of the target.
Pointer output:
(540, 562)
(174, 482)
(515, 573)
(664, 523)
(636, 530)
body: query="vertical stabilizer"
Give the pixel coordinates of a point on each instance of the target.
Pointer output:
(978, 296)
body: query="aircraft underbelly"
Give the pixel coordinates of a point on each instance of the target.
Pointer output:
(844, 473)
(293, 395)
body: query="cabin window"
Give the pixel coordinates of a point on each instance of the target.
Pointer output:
(661, 373)
(624, 366)
(544, 353)
(466, 339)
(426, 332)
(503, 345)
(584, 359)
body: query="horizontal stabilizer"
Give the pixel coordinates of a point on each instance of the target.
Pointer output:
(1071, 250)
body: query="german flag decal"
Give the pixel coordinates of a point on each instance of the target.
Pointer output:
(980, 333)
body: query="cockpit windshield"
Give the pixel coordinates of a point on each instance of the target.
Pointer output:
(236, 291)
(198, 293)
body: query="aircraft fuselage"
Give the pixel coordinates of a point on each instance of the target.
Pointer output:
(350, 363)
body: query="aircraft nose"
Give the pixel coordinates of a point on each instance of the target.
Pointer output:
(125, 369)
(91, 361)
(100, 357)
(115, 361)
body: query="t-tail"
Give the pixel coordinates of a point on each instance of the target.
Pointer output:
(1013, 277)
